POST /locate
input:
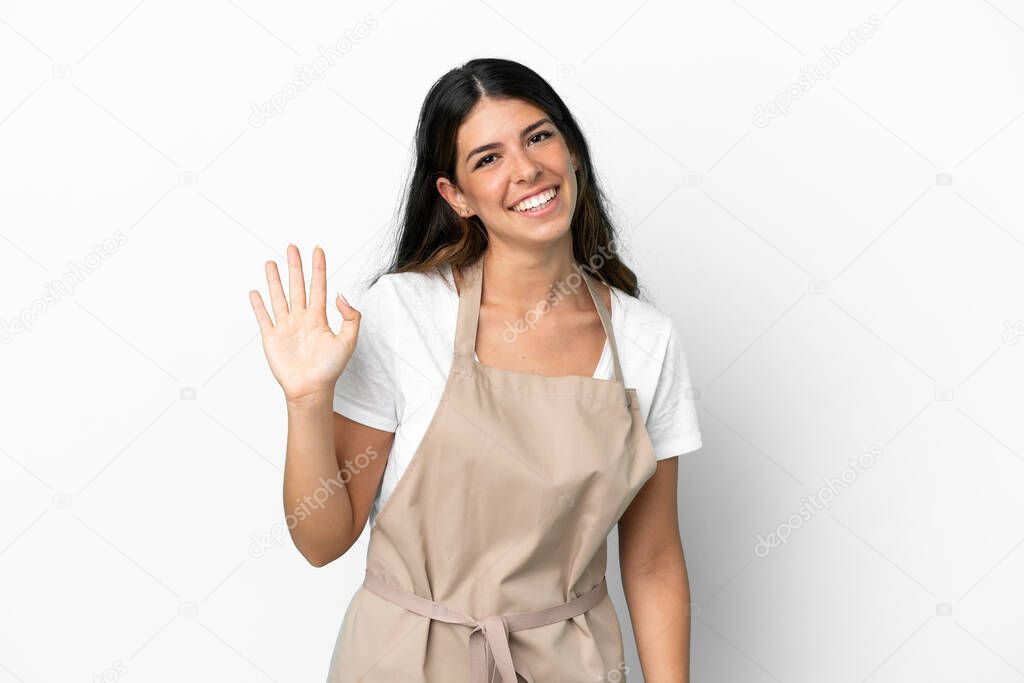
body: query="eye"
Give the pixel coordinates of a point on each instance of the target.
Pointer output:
(545, 133)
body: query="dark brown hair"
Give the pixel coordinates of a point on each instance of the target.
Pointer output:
(433, 236)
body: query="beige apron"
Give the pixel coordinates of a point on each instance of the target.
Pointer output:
(486, 564)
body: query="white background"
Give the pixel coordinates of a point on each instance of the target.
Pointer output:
(833, 294)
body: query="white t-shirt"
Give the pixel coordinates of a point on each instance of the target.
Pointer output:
(396, 375)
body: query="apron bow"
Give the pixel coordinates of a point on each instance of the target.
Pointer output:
(489, 650)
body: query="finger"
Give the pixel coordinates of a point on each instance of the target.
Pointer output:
(262, 317)
(296, 281)
(318, 285)
(277, 300)
(350, 318)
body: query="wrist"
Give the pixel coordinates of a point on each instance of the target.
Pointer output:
(313, 400)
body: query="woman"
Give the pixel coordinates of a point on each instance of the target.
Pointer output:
(537, 404)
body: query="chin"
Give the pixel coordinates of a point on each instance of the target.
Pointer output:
(548, 232)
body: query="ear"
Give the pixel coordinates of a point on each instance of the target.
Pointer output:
(452, 195)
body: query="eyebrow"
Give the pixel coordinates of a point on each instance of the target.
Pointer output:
(495, 145)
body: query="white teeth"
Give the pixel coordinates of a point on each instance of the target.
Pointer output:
(534, 202)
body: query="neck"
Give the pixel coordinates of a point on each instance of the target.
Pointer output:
(520, 282)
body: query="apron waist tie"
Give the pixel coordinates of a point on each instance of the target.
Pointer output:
(489, 648)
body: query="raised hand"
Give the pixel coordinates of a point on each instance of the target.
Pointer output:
(305, 356)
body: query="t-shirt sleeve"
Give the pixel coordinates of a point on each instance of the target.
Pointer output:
(672, 421)
(367, 390)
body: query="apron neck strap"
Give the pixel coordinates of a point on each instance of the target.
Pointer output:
(469, 311)
(606, 319)
(469, 314)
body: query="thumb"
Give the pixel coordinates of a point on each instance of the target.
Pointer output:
(350, 316)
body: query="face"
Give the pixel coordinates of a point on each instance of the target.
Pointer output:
(509, 151)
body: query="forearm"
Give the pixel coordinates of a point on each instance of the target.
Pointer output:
(658, 595)
(316, 500)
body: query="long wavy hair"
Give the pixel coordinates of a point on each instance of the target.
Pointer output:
(433, 237)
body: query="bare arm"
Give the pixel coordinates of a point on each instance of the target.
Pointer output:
(333, 468)
(654, 578)
(331, 462)
(361, 453)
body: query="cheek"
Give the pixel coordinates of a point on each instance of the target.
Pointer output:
(494, 191)
(555, 158)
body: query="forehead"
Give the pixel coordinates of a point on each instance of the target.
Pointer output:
(494, 120)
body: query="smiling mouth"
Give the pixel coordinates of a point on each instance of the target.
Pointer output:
(532, 205)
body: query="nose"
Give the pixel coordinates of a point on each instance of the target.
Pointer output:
(524, 167)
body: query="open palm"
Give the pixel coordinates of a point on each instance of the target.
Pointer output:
(305, 356)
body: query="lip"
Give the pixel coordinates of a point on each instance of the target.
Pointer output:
(548, 209)
(532, 194)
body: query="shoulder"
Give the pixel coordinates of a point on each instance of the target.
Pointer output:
(655, 358)
(404, 291)
(407, 281)
(407, 308)
(642, 323)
